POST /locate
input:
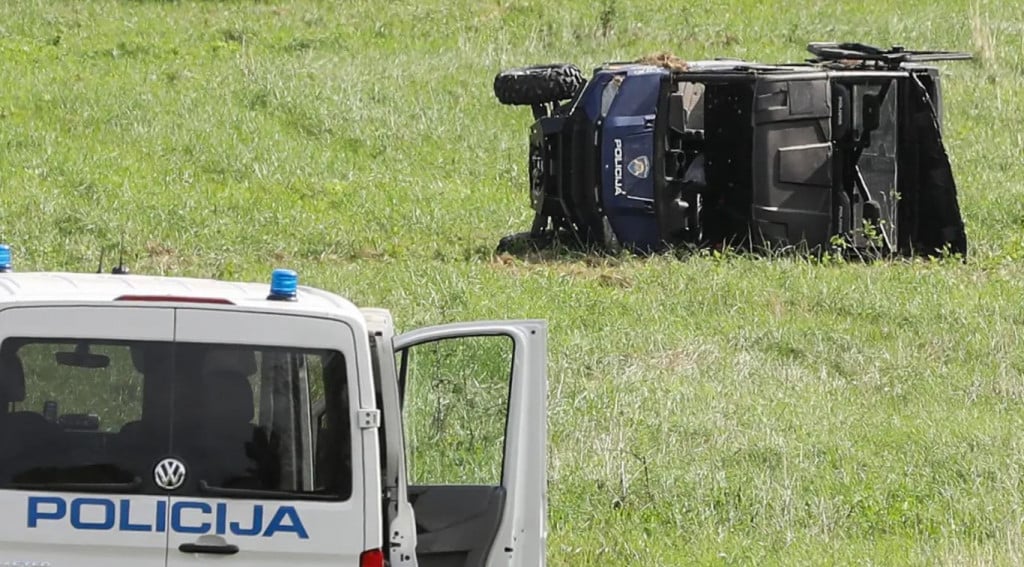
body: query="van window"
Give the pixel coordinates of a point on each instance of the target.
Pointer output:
(63, 407)
(455, 409)
(264, 418)
(95, 391)
(99, 415)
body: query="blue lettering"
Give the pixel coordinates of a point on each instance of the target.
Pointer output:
(277, 523)
(176, 524)
(222, 518)
(76, 514)
(59, 509)
(126, 524)
(257, 523)
(161, 516)
(104, 514)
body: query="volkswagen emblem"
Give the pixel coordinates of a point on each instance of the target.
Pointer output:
(169, 474)
(640, 167)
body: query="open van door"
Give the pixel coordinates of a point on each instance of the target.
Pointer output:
(474, 409)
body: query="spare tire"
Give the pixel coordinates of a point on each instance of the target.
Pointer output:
(538, 84)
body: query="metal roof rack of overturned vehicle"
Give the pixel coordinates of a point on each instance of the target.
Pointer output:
(892, 58)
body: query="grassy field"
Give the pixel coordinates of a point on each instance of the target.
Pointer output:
(708, 410)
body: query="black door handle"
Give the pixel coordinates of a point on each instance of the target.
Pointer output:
(225, 549)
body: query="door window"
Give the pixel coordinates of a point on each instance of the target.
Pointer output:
(456, 397)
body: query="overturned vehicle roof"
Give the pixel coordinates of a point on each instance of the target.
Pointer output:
(844, 151)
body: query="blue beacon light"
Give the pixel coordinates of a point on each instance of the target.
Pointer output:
(5, 259)
(284, 285)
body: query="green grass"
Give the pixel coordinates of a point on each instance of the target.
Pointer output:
(710, 411)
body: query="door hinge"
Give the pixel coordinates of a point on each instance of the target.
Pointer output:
(368, 418)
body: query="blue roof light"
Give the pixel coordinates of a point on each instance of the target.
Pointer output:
(5, 258)
(284, 284)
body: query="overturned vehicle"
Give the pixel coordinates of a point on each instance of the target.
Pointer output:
(843, 151)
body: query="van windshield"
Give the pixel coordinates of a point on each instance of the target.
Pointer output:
(174, 418)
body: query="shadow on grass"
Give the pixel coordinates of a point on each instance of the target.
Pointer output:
(564, 247)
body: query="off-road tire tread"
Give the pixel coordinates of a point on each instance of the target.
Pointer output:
(538, 84)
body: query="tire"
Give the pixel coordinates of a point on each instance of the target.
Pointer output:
(539, 84)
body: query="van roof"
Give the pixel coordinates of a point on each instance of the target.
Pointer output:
(62, 287)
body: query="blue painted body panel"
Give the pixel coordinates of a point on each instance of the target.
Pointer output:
(626, 138)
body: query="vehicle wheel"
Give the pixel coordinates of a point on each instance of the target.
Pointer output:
(539, 84)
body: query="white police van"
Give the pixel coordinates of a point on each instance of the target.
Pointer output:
(154, 421)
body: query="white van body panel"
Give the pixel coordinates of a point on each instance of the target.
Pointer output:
(39, 528)
(333, 533)
(87, 529)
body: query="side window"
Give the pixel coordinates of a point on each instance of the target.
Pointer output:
(455, 407)
(271, 419)
(84, 387)
(68, 412)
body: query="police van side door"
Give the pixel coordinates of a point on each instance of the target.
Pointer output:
(290, 519)
(48, 520)
(474, 398)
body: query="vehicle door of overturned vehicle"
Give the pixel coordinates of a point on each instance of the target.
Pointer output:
(824, 164)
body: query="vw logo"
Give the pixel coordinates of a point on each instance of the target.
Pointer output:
(169, 474)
